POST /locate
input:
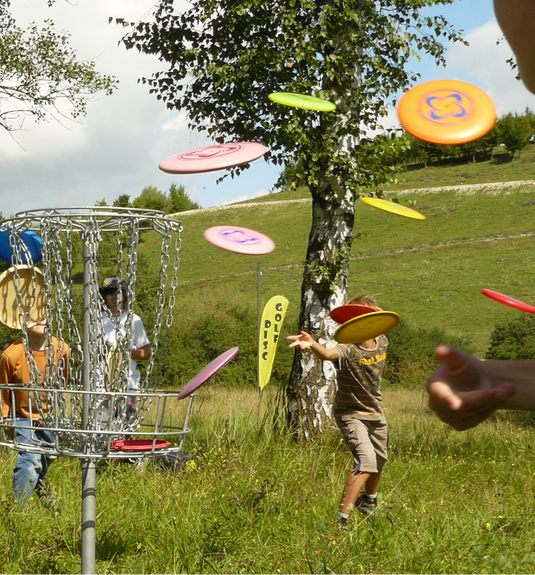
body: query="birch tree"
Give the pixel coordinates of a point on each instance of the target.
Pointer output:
(222, 58)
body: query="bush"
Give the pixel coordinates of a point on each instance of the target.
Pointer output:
(193, 344)
(411, 358)
(514, 340)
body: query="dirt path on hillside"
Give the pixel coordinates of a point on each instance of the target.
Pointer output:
(492, 187)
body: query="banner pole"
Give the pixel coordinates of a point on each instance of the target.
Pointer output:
(259, 319)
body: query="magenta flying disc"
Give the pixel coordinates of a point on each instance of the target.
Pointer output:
(211, 158)
(348, 311)
(206, 372)
(239, 240)
(511, 301)
(138, 444)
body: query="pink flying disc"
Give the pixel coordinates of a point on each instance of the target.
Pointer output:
(206, 372)
(348, 311)
(138, 444)
(511, 301)
(211, 158)
(239, 240)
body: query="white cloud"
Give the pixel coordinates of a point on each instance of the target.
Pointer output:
(484, 64)
(117, 147)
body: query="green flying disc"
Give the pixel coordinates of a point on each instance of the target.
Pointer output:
(302, 101)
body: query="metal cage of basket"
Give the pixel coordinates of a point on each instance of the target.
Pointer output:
(93, 406)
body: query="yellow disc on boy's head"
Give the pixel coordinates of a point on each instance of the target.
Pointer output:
(302, 101)
(22, 292)
(446, 112)
(367, 326)
(393, 208)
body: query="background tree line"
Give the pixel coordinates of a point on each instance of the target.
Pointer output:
(151, 198)
(513, 132)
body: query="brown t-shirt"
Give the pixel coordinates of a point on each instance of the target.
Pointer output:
(14, 369)
(359, 380)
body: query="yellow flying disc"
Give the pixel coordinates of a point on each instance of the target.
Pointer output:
(302, 101)
(393, 208)
(367, 326)
(29, 283)
(446, 112)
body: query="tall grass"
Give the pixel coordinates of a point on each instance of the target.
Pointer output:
(256, 501)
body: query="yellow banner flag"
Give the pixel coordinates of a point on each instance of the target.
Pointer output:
(270, 327)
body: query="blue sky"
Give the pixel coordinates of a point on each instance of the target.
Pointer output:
(117, 147)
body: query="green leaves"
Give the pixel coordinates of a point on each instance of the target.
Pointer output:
(39, 70)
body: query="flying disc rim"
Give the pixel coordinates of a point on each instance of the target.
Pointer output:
(208, 371)
(9, 311)
(393, 208)
(213, 158)
(508, 300)
(223, 237)
(139, 444)
(472, 113)
(32, 242)
(371, 326)
(302, 101)
(348, 311)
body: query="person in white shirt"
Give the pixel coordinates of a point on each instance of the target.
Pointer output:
(115, 296)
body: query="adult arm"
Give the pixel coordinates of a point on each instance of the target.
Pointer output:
(517, 20)
(141, 353)
(305, 341)
(465, 390)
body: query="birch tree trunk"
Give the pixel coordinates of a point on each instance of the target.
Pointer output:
(312, 382)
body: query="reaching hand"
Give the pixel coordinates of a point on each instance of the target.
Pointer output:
(304, 340)
(461, 390)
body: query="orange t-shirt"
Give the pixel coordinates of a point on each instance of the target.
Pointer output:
(14, 369)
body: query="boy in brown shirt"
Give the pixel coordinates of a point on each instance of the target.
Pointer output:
(358, 410)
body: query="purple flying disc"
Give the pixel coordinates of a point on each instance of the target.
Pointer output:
(206, 372)
(212, 158)
(239, 240)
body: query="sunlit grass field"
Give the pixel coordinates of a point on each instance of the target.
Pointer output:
(256, 501)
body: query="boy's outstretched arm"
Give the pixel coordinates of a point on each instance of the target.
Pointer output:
(305, 341)
(517, 20)
(465, 390)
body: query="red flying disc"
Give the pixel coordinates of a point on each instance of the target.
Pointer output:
(211, 158)
(138, 444)
(239, 240)
(511, 301)
(348, 311)
(206, 372)
(446, 112)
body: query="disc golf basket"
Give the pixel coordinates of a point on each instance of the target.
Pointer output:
(91, 413)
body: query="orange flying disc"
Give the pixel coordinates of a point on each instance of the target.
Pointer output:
(446, 112)
(367, 326)
(393, 208)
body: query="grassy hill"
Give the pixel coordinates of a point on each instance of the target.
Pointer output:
(431, 271)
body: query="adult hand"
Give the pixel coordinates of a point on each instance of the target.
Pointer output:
(461, 390)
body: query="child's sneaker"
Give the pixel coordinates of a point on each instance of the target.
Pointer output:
(342, 521)
(366, 505)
